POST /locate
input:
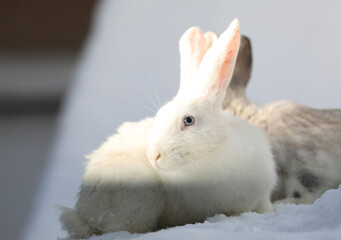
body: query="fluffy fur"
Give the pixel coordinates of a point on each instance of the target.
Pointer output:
(120, 190)
(160, 173)
(306, 142)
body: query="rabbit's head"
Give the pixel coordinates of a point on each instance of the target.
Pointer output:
(192, 126)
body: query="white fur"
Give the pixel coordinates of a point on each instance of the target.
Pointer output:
(120, 190)
(157, 173)
(226, 171)
(221, 164)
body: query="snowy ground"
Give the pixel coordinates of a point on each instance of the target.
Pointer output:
(321, 220)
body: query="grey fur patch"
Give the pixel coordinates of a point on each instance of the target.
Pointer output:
(308, 180)
(282, 172)
(296, 194)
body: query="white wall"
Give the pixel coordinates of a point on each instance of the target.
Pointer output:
(134, 43)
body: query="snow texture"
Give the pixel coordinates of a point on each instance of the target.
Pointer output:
(133, 45)
(321, 220)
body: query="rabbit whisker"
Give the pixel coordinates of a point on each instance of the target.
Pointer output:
(150, 109)
(148, 95)
(157, 94)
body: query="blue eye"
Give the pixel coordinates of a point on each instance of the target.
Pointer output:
(189, 120)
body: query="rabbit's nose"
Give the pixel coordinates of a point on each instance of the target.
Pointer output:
(154, 153)
(155, 156)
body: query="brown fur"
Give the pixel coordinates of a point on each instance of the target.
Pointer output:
(306, 142)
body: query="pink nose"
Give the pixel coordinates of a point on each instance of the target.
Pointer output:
(154, 156)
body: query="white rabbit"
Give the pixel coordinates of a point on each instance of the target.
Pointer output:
(209, 161)
(190, 162)
(306, 142)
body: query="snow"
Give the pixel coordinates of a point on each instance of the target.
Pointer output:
(134, 44)
(321, 220)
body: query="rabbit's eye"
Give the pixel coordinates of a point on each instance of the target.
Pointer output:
(189, 120)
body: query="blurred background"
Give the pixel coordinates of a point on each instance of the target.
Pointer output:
(72, 71)
(39, 44)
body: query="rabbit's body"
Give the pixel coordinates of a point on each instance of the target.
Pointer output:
(305, 142)
(236, 177)
(190, 162)
(120, 190)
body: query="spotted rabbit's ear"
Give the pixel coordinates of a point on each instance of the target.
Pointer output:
(217, 66)
(243, 67)
(192, 50)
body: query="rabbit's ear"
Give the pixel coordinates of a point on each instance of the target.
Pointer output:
(192, 50)
(210, 38)
(243, 67)
(217, 66)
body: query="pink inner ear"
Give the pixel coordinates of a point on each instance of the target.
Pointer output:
(191, 46)
(197, 43)
(227, 65)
